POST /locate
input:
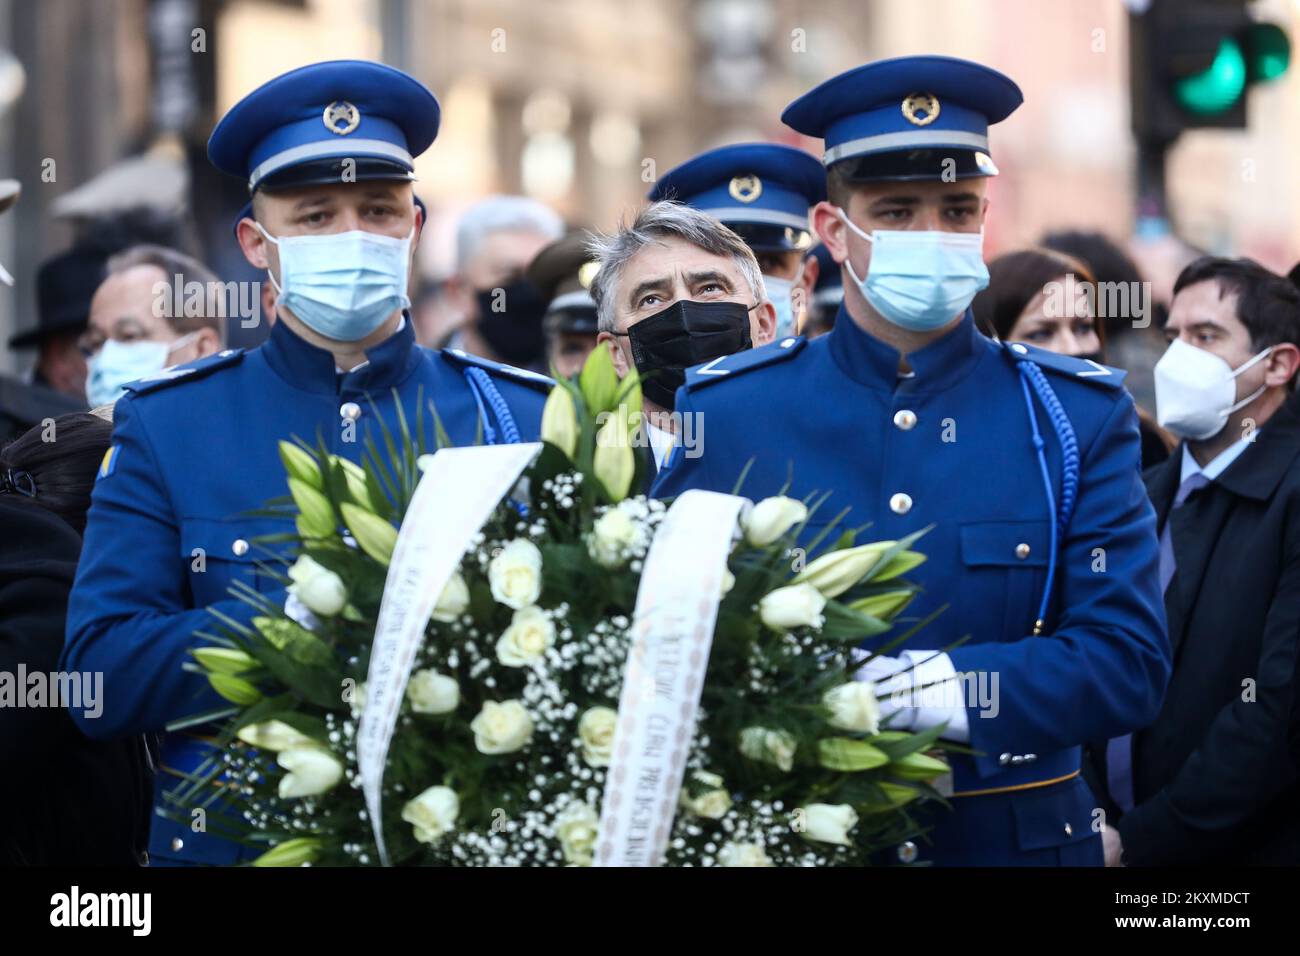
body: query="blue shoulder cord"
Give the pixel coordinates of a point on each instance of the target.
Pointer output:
(480, 383)
(482, 387)
(1031, 374)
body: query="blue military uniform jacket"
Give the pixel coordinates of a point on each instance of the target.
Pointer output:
(194, 448)
(952, 445)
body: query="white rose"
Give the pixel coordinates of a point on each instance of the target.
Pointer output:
(432, 813)
(272, 735)
(576, 828)
(502, 728)
(596, 731)
(516, 574)
(713, 803)
(776, 747)
(453, 601)
(312, 770)
(529, 636)
(318, 588)
(795, 605)
(613, 534)
(854, 706)
(432, 693)
(771, 518)
(743, 854)
(829, 823)
(358, 701)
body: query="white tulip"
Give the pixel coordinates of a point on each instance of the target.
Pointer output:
(829, 823)
(526, 641)
(516, 574)
(312, 770)
(743, 854)
(432, 813)
(612, 538)
(795, 605)
(854, 707)
(432, 693)
(712, 804)
(835, 573)
(453, 601)
(502, 728)
(596, 731)
(576, 828)
(318, 588)
(776, 747)
(771, 518)
(273, 735)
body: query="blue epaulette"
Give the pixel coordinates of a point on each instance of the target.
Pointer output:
(729, 366)
(1085, 370)
(199, 368)
(464, 360)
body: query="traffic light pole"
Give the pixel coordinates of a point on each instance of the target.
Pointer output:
(1152, 201)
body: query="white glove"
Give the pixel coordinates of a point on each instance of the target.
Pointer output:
(917, 690)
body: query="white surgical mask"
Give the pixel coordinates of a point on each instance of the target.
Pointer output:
(781, 294)
(1195, 390)
(921, 280)
(343, 285)
(117, 363)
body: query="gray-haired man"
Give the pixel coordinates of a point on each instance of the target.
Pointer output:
(496, 239)
(676, 289)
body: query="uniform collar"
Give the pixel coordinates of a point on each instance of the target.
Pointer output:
(865, 359)
(312, 369)
(1264, 462)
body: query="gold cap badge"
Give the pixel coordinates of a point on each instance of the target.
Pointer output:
(745, 188)
(341, 117)
(921, 109)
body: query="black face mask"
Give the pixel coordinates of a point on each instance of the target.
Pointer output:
(686, 333)
(515, 332)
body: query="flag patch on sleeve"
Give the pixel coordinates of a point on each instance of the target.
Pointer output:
(110, 461)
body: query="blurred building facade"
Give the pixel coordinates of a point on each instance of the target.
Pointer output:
(582, 102)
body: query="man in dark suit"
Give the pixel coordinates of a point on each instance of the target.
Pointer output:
(1211, 781)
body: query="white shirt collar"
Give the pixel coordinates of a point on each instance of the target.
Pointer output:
(1217, 465)
(661, 442)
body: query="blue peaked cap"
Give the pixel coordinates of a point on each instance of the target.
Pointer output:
(895, 119)
(298, 128)
(763, 191)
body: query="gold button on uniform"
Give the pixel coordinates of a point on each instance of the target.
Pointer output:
(900, 504)
(177, 843)
(350, 410)
(1022, 551)
(905, 419)
(240, 547)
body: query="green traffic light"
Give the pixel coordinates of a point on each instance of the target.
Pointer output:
(1270, 52)
(1218, 87)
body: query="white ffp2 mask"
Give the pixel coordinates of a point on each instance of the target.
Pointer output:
(1195, 390)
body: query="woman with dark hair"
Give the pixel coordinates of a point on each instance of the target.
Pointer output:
(61, 460)
(1048, 299)
(1042, 298)
(64, 799)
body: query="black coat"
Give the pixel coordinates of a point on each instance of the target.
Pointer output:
(64, 799)
(1215, 777)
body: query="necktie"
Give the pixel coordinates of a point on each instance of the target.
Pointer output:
(1167, 562)
(1119, 751)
